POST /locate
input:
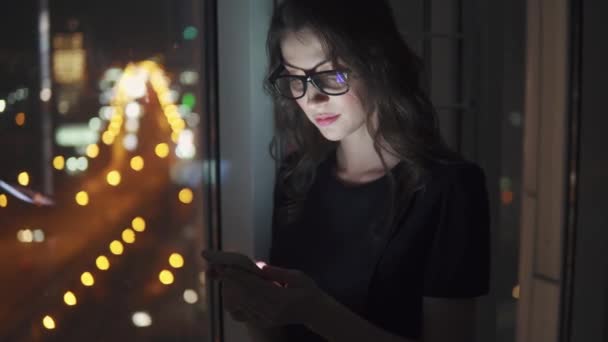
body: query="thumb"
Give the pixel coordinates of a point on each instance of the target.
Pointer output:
(279, 274)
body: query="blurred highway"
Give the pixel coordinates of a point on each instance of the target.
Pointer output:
(45, 250)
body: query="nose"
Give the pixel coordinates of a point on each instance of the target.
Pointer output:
(314, 96)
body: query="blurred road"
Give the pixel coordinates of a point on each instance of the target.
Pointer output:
(35, 276)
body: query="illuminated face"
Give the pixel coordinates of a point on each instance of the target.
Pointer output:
(337, 117)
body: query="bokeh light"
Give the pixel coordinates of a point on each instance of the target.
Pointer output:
(45, 94)
(58, 162)
(107, 138)
(137, 163)
(128, 235)
(141, 319)
(162, 150)
(87, 279)
(190, 296)
(82, 198)
(20, 119)
(176, 260)
(92, 151)
(133, 110)
(48, 322)
(95, 124)
(185, 196)
(189, 100)
(190, 33)
(23, 178)
(166, 277)
(38, 235)
(3, 201)
(139, 224)
(25, 236)
(102, 263)
(515, 292)
(70, 298)
(116, 247)
(113, 178)
(130, 141)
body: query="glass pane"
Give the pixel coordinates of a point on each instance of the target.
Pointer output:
(476, 79)
(101, 215)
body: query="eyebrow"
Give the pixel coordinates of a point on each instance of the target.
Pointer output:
(311, 69)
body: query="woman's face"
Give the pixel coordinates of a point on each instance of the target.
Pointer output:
(336, 117)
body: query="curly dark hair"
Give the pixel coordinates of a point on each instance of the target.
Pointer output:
(363, 36)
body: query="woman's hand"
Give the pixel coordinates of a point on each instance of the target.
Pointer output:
(281, 297)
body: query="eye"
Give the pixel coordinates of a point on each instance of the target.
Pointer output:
(295, 84)
(335, 80)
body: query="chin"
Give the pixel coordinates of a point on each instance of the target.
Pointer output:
(332, 136)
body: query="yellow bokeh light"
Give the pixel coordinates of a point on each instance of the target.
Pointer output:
(178, 125)
(176, 260)
(48, 322)
(175, 136)
(166, 277)
(87, 279)
(515, 293)
(23, 178)
(107, 137)
(137, 163)
(115, 126)
(139, 224)
(3, 201)
(82, 198)
(20, 119)
(171, 110)
(102, 263)
(69, 298)
(113, 178)
(92, 151)
(116, 247)
(185, 196)
(128, 235)
(59, 162)
(162, 150)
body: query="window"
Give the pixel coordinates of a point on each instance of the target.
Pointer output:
(103, 200)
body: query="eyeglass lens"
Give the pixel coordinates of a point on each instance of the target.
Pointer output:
(330, 83)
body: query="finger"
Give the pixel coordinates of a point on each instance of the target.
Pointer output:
(249, 283)
(255, 295)
(278, 274)
(261, 313)
(242, 307)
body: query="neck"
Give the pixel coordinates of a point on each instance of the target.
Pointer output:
(356, 154)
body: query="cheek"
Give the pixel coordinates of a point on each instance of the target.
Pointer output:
(353, 106)
(348, 104)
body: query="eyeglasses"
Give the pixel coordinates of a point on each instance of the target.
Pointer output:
(330, 82)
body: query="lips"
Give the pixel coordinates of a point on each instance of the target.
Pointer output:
(326, 119)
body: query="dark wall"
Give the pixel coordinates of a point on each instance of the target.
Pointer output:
(590, 306)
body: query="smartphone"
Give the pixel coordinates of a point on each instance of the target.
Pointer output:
(232, 259)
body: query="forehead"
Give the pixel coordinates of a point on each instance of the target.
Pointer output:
(303, 50)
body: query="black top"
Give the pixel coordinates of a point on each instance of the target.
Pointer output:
(439, 249)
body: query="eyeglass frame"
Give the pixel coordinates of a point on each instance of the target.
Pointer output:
(307, 78)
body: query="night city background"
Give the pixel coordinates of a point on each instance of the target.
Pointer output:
(116, 256)
(134, 134)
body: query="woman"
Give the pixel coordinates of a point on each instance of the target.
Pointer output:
(380, 231)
